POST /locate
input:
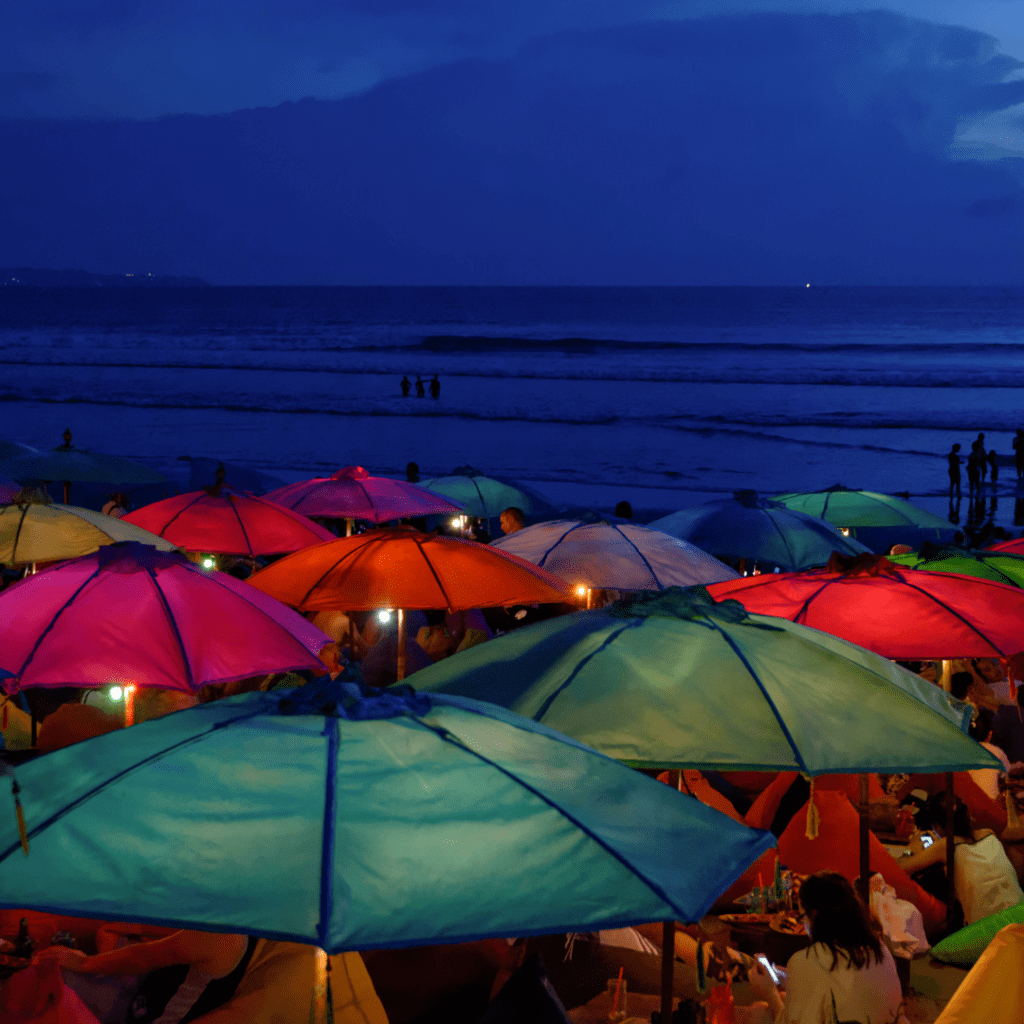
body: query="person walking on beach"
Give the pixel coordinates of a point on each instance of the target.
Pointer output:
(406, 385)
(420, 393)
(1018, 454)
(954, 471)
(435, 388)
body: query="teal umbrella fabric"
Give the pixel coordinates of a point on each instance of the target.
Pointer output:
(756, 530)
(315, 815)
(487, 497)
(677, 680)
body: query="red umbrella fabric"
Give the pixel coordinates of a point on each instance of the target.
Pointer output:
(1012, 547)
(130, 613)
(221, 522)
(903, 614)
(352, 493)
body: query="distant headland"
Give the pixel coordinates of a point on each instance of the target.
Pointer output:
(32, 277)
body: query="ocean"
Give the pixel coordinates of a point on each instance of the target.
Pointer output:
(662, 396)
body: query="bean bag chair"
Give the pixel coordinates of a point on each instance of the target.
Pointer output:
(38, 995)
(993, 991)
(837, 848)
(696, 785)
(985, 812)
(281, 981)
(964, 947)
(763, 809)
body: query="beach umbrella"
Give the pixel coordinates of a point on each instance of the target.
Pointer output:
(352, 493)
(754, 530)
(487, 497)
(617, 556)
(678, 680)
(131, 614)
(69, 465)
(1012, 547)
(900, 613)
(220, 522)
(52, 533)
(878, 520)
(8, 489)
(318, 816)
(1000, 566)
(9, 449)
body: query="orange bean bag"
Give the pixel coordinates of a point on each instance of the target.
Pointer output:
(837, 848)
(762, 810)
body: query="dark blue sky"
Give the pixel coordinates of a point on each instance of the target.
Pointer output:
(515, 142)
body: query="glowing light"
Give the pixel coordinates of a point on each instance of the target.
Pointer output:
(581, 591)
(209, 562)
(384, 615)
(116, 693)
(844, 530)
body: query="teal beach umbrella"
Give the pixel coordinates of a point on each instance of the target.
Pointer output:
(315, 815)
(677, 680)
(754, 529)
(487, 497)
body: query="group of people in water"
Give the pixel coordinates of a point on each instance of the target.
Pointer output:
(434, 386)
(982, 464)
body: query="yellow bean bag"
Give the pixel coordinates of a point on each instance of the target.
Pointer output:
(285, 979)
(993, 991)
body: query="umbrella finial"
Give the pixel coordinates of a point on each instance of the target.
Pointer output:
(67, 438)
(864, 564)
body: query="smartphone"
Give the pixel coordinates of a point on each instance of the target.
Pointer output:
(927, 839)
(764, 962)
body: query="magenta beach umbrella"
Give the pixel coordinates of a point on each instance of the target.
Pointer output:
(129, 614)
(8, 489)
(352, 493)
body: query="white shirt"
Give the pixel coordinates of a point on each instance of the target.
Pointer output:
(987, 779)
(870, 994)
(985, 881)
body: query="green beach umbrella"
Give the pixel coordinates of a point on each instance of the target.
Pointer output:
(1001, 566)
(487, 497)
(678, 680)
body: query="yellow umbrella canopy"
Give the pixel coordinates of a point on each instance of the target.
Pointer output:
(53, 533)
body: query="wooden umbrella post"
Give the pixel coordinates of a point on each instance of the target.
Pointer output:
(668, 957)
(67, 492)
(950, 851)
(865, 842)
(400, 664)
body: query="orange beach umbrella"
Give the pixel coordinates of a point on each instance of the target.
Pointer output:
(403, 568)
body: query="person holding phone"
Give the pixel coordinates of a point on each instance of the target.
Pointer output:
(847, 975)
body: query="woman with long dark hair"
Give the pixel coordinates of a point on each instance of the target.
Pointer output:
(847, 976)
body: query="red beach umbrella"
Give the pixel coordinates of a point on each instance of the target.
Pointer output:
(221, 522)
(352, 493)
(131, 614)
(1012, 547)
(903, 614)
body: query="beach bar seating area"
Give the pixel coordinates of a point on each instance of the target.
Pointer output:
(361, 750)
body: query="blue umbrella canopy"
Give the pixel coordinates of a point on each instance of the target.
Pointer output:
(756, 529)
(677, 680)
(316, 815)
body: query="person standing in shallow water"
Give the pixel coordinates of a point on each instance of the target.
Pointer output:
(978, 450)
(420, 393)
(435, 388)
(954, 470)
(1018, 454)
(406, 385)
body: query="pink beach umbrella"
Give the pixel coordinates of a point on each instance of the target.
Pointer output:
(221, 522)
(129, 614)
(8, 489)
(352, 493)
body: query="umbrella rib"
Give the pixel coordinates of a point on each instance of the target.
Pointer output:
(544, 557)
(543, 710)
(327, 850)
(433, 572)
(78, 801)
(654, 575)
(241, 525)
(782, 536)
(174, 626)
(775, 711)
(17, 533)
(369, 501)
(480, 494)
(449, 737)
(53, 622)
(334, 565)
(954, 612)
(184, 508)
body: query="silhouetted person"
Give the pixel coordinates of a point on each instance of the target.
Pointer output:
(512, 519)
(420, 393)
(1018, 454)
(412, 473)
(954, 470)
(406, 386)
(994, 466)
(435, 388)
(624, 510)
(974, 464)
(978, 449)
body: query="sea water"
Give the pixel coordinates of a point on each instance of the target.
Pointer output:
(663, 396)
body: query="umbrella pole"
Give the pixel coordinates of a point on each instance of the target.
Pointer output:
(348, 527)
(400, 665)
(67, 492)
(865, 843)
(668, 957)
(950, 852)
(33, 728)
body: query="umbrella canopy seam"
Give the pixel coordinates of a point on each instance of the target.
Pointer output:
(544, 557)
(184, 508)
(771, 704)
(174, 626)
(480, 494)
(654, 575)
(543, 710)
(241, 525)
(327, 849)
(53, 622)
(433, 572)
(17, 533)
(327, 572)
(953, 612)
(782, 536)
